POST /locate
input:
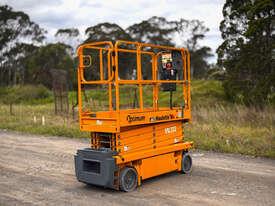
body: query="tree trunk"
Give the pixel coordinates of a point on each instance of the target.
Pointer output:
(9, 76)
(11, 112)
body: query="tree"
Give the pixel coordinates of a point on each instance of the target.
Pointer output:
(182, 33)
(69, 36)
(216, 72)
(155, 30)
(109, 32)
(16, 62)
(189, 33)
(246, 52)
(51, 56)
(106, 32)
(16, 31)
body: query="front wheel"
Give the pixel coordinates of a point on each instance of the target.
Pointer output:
(128, 179)
(186, 163)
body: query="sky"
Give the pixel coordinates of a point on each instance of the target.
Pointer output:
(55, 14)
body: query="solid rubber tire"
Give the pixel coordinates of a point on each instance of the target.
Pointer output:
(128, 174)
(186, 163)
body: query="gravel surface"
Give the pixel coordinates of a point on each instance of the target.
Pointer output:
(38, 170)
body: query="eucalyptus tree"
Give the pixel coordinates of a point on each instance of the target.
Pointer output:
(246, 52)
(16, 31)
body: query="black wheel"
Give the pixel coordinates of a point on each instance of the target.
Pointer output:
(128, 179)
(186, 163)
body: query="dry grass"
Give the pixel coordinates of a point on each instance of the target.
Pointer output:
(231, 128)
(217, 125)
(24, 120)
(234, 129)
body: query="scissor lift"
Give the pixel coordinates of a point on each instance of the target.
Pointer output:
(134, 99)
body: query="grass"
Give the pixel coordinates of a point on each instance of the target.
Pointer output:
(233, 129)
(216, 124)
(24, 121)
(207, 93)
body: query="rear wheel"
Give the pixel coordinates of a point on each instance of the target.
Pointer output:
(128, 179)
(186, 163)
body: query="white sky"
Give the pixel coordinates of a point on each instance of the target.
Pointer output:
(55, 14)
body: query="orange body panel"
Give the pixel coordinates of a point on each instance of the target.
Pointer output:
(149, 137)
(154, 166)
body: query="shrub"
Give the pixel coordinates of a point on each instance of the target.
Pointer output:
(29, 93)
(25, 94)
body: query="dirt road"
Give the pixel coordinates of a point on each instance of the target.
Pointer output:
(37, 170)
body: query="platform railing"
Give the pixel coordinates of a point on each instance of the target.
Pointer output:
(113, 72)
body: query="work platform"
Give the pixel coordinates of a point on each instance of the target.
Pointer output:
(134, 99)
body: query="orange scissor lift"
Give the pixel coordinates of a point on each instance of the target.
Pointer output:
(137, 126)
